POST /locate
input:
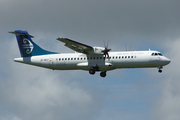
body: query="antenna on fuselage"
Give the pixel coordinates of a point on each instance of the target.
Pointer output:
(128, 49)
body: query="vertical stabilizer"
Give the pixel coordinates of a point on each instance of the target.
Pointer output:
(27, 47)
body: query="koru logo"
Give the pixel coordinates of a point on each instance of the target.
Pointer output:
(27, 45)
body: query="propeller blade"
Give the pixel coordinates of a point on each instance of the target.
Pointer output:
(104, 43)
(105, 57)
(106, 50)
(107, 44)
(108, 57)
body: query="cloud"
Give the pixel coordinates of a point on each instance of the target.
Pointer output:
(29, 92)
(9, 117)
(94, 19)
(167, 105)
(36, 93)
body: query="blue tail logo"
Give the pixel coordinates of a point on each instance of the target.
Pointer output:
(27, 47)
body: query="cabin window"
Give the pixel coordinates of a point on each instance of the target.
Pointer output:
(68, 58)
(59, 58)
(128, 56)
(65, 58)
(100, 57)
(88, 58)
(77, 58)
(97, 57)
(81, 58)
(84, 58)
(122, 57)
(74, 58)
(119, 57)
(131, 56)
(156, 54)
(62, 58)
(71, 58)
(91, 58)
(125, 56)
(94, 58)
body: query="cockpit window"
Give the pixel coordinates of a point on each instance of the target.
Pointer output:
(160, 54)
(156, 54)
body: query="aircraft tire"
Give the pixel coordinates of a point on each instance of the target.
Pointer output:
(103, 74)
(160, 71)
(92, 71)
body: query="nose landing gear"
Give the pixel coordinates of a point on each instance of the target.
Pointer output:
(160, 71)
(160, 67)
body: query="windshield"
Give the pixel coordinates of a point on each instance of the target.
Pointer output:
(156, 54)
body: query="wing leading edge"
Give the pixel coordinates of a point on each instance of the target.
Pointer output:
(76, 46)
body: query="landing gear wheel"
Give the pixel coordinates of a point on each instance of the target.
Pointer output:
(103, 74)
(160, 71)
(92, 71)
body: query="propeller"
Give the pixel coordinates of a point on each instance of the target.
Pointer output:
(106, 50)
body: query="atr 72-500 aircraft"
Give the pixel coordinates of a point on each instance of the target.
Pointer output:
(92, 59)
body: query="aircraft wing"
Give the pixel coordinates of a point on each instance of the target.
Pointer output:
(76, 46)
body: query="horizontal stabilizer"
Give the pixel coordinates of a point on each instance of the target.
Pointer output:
(16, 33)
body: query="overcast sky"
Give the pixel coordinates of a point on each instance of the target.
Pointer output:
(29, 92)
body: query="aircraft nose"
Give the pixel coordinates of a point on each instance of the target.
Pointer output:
(167, 61)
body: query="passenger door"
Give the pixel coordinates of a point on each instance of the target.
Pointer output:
(51, 62)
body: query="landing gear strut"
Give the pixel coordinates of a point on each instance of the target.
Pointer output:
(103, 74)
(93, 70)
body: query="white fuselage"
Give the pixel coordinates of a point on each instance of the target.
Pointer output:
(79, 61)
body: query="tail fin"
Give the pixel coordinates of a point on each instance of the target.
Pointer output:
(27, 47)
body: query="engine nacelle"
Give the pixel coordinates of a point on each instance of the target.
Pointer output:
(98, 50)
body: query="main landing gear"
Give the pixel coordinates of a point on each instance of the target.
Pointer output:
(103, 74)
(93, 71)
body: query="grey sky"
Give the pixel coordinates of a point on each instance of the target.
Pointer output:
(29, 92)
(94, 18)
